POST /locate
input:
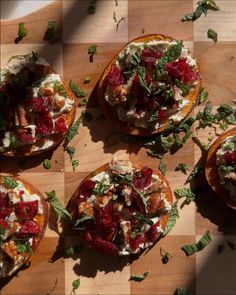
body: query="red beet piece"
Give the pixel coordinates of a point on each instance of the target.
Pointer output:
(105, 246)
(142, 178)
(136, 242)
(85, 190)
(149, 56)
(103, 216)
(60, 125)
(27, 228)
(151, 233)
(5, 206)
(44, 125)
(39, 104)
(115, 76)
(26, 210)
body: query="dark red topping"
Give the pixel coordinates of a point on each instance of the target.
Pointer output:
(28, 227)
(25, 137)
(230, 158)
(137, 241)
(85, 190)
(152, 233)
(5, 205)
(142, 178)
(162, 115)
(115, 76)
(3, 223)
(103, 216)
(181, 70)
(149, 56)
(26, 210)
(60, 125)
(41, 104)
(102, 245)
(44, 125)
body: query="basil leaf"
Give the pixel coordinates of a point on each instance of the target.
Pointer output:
(139, 278)
(22, 31)
(9, 181)
(71, 251)
(57, 206)
(79, 222)
(50, 34)
(73, 130)
(162, 167)
(186, 193)
(100, 188)
(211, 34)
(194, 173)
(203, 96)
(165, 256)
(75, 284)
(174, 214)
(204, 147)
(182, 167)
(59, 88)
(200, 245)
(70, 151)
(87, 80)
(206, 118)
(202, 8)
(142, 78)
(181, 291)
(144, 219)
(75, 164)
(224, 110)
(122, 178)
(92, 50)
(47, 164)
(76, 89)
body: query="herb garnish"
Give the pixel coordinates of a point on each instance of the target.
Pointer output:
(10, 182)
(79, 222)
(51, 33)
(87, 80)
(70, 151)
(181, 291)
(142, 78)
(186, 193)
(165, 256)
(57, 206)
(76, 89)
(182, 167)
(201, 244)
(24, 248)
(47, 164)
(139, 278)
(71, 251)
(75, 164)
(174, 214)
(203, 96)
(92, 50)
(204, 147)
(211, 34)
(194, 173)
(162, 167)
(92, 6)
(73, 130)
(75, 285)
(22, 32)
(202, 7)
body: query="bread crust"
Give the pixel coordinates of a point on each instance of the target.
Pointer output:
(211, 171)
(73, 207)
(111, 113)
(26, 150)
(42, 219)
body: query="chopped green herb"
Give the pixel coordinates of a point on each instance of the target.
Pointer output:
(75, 164)
(203, 96)
(204, 147)
(76, 89)
(2, 232)
(211, 34)
(75, 285)
(202, 8)
(223, 111)
(182, 167)
(83, 102)
(186, 193)
(162, 167)
(231, 245)
(24, 248)
(59, 88)
(57, 206)
(200, 245)
(194, 173)
(206, 118)
(79, 222)
(143, 219)
(181, 291)
(51, 33)
(92, 7)
(100, 188)
(87, 80)
(73, 130)
(165, 256)
(92, 50)
(47, 164)
(174, 214)
(139, 278)
(10, 182)
(71, 251)
(22, 32)
(142, 78)
(70, 151)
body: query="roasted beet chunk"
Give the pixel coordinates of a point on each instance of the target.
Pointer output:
(230, 158)
(143, 178)
(136, 242)
(44, 125)
(25, 136)
(26, 210)
(3, 223)
(5, 206)
(60, 125)
(85, 190)
(115, 76)
(181, 70)
(39, 104)
(152, 233)
(103, 216)
(105, 246)
(149, 56)
(28, 228)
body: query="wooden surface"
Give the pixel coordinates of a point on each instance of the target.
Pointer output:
(207, 272)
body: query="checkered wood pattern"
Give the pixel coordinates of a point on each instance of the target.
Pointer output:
(206, 273)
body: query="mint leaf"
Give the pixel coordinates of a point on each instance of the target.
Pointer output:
(203, 96)
(9, 181)
(182, 167)
(181, 291)
(47, 164)
(139, 278)
(51, 33)
(162, 167)
(73, 130)
(174, 214)
(76, 89)
(200, 245)
(57, 206)
(186, 193)
(165, 256)
(142, 78)
(211, 34)
(194, 173)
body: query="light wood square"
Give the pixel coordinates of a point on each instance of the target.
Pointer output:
(222, 21)
(81, 27)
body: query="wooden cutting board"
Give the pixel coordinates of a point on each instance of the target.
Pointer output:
(208, 272)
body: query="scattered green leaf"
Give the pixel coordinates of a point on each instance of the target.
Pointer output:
(22, 32)
(75, 164)
(47, 164)
(203, 146)
(73, 130)
(75, 285)
(165, 256)
(211, 34)
(70, 151)
(181, 291)
(162, 167)
(194, 173)
(182, 167)
(174, 214)
(200, 245)
(92, 50)
(57, 206)
(186, 193)
(76, 89)
(9, 181)
(203, 96)
(51, 33)
(139, 278)
(87, 80)
(92, 7)
(71, 251)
